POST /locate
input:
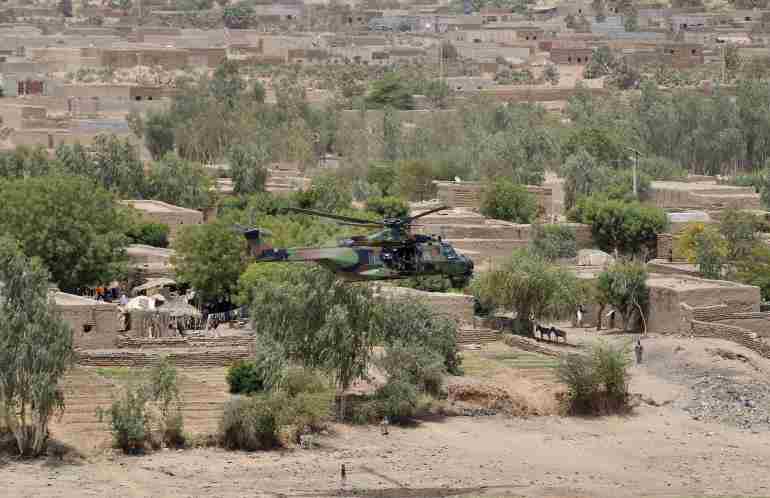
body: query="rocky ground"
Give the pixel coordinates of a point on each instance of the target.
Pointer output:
(700, 429)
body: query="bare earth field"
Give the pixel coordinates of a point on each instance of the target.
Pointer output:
(683, 440)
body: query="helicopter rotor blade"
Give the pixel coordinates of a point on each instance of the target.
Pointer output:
(370, 225)
(335, 216)
(426, 213)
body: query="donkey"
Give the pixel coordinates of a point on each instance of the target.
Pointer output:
(559, 333)
(544, 331)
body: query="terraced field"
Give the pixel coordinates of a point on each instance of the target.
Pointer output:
(203, 392)
(496, 358)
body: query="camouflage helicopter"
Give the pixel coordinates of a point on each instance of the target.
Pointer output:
(392, 253)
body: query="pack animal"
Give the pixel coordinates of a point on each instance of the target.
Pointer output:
(544, 331)
(558, 333)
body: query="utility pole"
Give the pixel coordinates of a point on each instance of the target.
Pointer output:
(636, 164)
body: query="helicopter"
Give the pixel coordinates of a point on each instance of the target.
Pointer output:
(389, 254)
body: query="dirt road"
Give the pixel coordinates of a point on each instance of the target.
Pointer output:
(659, 451)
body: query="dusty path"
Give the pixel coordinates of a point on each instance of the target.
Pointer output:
(654, 453)
(659, 451)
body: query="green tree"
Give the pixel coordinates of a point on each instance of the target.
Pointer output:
(179, 182)
(755, 269)
(25, 161)
(388, 207)
(711, 252)
(390, 91)
(117, 166)
(582, 177)
(554, 241)
(209, 258)
(532, 287)
(739, 229)
(71, 224)
(384, 176)
(158, 132)
(504, 200)
(391, 134)
(227, 84)
(624, 287)
(248, 167)
(326, 193)
(320, 322)
(415, 180)
(148, 233)
(628, 227)
(35, 350)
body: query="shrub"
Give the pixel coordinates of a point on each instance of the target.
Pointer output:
(151, 234)
(597, 383)
(249, 423)
(129, 421)
(505, 200)
(397, 400)
(162, 388)
(416, 364)
(303, 380)
(388, 207)
(629, 227)
(309, 411)
(243, 378)
(554, 241)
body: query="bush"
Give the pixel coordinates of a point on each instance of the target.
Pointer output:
(505, 200)
(243, 378)
(249, 424)
(628, 227)
(397, 400)
(151, 234)
(309, 411)
(554, 241)
(597, 383)
(129, 421)
(388, 207)
(303, 380)
(662, 168)
(417, 365)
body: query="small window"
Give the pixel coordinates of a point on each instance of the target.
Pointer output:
(527, 37)
(580, 11)
(578, 59)
(138, 97)
(149, 97)
(569, 59)
(747, 18)
(87, 327)
(289, 17)
(534, 37)
(694, 51)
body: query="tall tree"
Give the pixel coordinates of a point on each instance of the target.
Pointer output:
(210, 258)
(248, 167)
(531, 287)
(35, 349)
(179, 182)
(73, 225)
(624, 287)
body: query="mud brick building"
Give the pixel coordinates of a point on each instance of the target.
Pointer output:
(160, 212)
(95, 324)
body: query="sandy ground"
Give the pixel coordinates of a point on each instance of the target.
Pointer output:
(658, 451)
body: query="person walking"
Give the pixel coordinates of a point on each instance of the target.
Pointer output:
(638, 349)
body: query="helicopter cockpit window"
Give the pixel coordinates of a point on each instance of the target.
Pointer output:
(448, 251)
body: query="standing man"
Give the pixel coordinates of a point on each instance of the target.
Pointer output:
(638, 349)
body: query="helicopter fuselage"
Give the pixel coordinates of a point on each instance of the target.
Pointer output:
(361, 259)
